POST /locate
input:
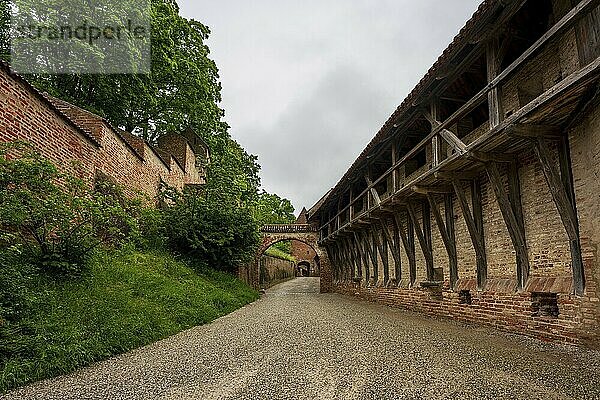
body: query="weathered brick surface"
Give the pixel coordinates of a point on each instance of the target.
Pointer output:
(275, 270)
(83, 144)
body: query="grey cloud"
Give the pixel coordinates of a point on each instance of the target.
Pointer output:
(307, 83)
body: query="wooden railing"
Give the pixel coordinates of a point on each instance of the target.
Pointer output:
(288, 228)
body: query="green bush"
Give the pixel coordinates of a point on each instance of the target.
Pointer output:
(59, 220)
(52, 222)
(213, 232)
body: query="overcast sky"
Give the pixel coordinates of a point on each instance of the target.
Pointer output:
(308, 83)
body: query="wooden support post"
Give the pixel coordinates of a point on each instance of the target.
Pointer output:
(392, 238)
(408, 240)
(514, 195)
(474, 222)
(557, 179)
(365, 254)
(381, 245)
(424, 236)
(447, 232)
(357, 255)
(350, 258)
(493, 69)
(368, 244)
(514, 223)
(394, 172)
(373, 190)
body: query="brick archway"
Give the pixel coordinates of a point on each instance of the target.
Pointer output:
(307, 234)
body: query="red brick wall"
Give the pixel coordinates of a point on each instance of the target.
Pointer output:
(83, 143)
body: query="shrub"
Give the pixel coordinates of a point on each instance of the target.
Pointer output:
(217, 233)
(56, 218)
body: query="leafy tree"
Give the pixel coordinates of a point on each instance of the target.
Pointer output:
(272, 209)
(220, 235)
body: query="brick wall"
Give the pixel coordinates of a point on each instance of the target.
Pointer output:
(274, 270)
(83, 144)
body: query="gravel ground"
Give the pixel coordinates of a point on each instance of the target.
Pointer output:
(297, 344)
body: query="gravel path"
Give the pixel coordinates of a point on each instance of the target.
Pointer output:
(297, 344)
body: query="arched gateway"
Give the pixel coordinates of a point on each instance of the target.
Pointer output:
(305, 233)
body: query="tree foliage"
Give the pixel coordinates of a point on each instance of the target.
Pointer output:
(272, 209)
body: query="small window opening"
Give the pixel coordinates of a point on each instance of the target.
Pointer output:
(464, 297)
(544, 304)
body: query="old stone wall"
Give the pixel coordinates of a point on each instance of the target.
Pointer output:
(275, 270)
(83, 144)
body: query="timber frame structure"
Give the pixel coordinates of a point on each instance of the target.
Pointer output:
(476, 198)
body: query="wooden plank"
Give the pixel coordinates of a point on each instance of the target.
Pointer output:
(535, 131)
(474, 228)
(490, 157)
(514, 225)
(565, 206)
(431, 189)
(424, 239)
(447, 233)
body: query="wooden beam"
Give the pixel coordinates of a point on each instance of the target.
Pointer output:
(490, 157)
(448, 135)
(423, 237)
(408, 240)
(431, 189)
(458, 145)
(371, 251)
(514, 224)
(447, 232)
(394, 247)
(373, 191)
(474, 224)
(493, 68)
(565, 205)
(534, 131)
(357, 256)
(514, 195)
(365, 254)
(381, 246)
(457, 176)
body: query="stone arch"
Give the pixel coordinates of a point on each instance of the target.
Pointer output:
(303, 268)
(272, 234)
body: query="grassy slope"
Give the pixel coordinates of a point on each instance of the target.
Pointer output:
(129, 300)
(278, 253)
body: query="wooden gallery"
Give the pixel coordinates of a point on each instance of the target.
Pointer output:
(479, 199)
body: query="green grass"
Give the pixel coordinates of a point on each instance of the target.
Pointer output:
(277, 253)
(129, 299)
